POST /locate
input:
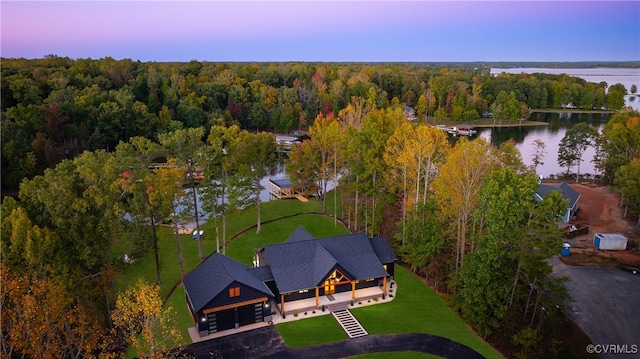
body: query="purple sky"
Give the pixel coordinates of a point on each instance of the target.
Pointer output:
(421, 31)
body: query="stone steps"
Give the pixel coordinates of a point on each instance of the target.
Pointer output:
(337, 307)
(349, 323)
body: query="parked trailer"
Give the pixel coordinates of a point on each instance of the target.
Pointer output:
(610, 241)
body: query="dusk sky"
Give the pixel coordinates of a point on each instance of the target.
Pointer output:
(371, 31)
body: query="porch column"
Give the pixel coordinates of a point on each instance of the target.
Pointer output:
(384, 285)
(282, 303)
(353, 289)
(316, 296)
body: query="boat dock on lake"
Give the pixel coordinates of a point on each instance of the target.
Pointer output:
(460, 130)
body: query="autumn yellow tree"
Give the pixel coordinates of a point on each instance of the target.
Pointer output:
(399, 156)
(145, 324)
(41, 320)
(328, 140)
(461, 177)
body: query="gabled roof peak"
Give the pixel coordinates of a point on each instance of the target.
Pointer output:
(300, 234)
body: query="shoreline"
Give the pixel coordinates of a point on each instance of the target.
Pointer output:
(489, 123)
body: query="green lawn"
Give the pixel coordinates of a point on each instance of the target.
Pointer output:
(417, 309)
(277, 232)
(236, 223)
(240, 249)
(317, 330)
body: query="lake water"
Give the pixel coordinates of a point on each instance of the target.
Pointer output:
(550, 135)
(624, 76)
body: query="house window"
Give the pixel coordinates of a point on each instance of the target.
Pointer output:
(234, 292)
(303, 291)
(384, 266)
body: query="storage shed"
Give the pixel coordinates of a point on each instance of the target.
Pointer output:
(610, 241)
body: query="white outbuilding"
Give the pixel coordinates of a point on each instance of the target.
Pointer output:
(610, 241)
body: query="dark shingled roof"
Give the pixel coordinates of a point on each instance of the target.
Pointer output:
(262, 273)
(383, 249)
(304, 264)
(567, 192)
(214, 275)
(300, 234)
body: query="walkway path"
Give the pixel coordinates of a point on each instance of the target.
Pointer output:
(349, 323)
(267, 343)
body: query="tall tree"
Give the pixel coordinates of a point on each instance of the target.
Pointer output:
(147, 204)
(573, 144)
(367, 148)
(327, 138)
(146, 325)
(256, 159)
(518, 235)
(461, 177)
(628, 180)
(41, 320)
(539, 151)
(619, 142)
(184, 145)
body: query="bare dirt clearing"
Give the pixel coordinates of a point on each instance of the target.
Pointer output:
(600, 210)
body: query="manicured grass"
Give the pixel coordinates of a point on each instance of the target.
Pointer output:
(418, 309)
(312, 331)
(236, 223)
(319, 226)
(240, 249)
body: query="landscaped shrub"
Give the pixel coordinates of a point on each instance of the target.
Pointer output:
(323, 307)
(313, 312)
(305, 313)
(383, 296)
(352, 303)
(283, 316)
(375, 299)
(295, 314)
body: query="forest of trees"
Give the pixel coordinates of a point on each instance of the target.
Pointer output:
(115, 137)
(56, 107)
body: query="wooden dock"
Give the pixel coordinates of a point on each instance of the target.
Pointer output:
(282, 188)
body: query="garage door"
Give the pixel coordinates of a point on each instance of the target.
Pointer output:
(222, 320)
(250, 314)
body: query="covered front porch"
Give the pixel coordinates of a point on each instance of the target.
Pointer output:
(336, 299)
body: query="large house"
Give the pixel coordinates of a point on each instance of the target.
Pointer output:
(568, 193)
(224, 294)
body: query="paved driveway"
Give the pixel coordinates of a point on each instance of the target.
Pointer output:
(266, 342)
(606, 304)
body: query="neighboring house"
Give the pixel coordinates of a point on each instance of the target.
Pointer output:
(567, 193)
(410, 113)
(224, 294)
